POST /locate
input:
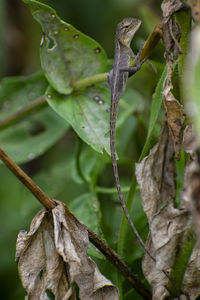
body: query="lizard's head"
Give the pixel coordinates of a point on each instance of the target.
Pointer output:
(126, 30)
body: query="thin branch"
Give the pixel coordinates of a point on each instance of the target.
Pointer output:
(49, 204)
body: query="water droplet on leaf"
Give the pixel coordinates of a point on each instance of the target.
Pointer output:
(97, 50)
(100, 102)
(31, 156)
(76, 36)
(96, 98)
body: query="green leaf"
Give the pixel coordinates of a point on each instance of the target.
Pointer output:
(66, 53)
(87, 211)
(155, 109)
(87, 111)
(31, 137)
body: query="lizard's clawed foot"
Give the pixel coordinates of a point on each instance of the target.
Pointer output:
(139, 63)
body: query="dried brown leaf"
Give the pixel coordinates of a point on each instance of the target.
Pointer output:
(71, 239)
(171, 37)
(53, 255)
(169, 7)
(156, 174)
(40, 267)
(156, 177)
(175, 116)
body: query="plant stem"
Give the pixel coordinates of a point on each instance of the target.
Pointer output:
(78, 158)
(47, 202)
(22, 112)
(104, 190)
(79, 84)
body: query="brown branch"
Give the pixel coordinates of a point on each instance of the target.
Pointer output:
(49, 204)
(114, 258)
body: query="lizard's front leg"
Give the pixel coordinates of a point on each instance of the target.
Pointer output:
(133, 70)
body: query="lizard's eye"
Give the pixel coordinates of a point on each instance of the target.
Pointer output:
(126, 26)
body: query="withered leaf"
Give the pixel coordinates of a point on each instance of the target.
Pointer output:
(52, 256)
(175, 116)
(169, 7)
(156, 177)
(171, 38)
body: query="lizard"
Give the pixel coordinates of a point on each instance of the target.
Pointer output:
(117, 79)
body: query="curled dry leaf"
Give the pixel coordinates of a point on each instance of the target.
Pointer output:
(155, 175)
(175, 115)
(171, 29)
(171, 38)
(169, 7)
(52, 256)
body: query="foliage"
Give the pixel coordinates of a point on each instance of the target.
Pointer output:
(56, 123)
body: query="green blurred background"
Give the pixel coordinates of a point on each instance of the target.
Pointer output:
(19, 55)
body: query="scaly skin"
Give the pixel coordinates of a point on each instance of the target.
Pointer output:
(117, 79)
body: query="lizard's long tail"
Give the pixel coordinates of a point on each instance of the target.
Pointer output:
(113, 114)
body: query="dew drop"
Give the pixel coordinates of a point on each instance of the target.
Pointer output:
(53, 16)
(76, 36)
(56, 32)
(31, 156)
(97, 50)
(96, 98)
(100, 102)
(49, 96)
(66, 29)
